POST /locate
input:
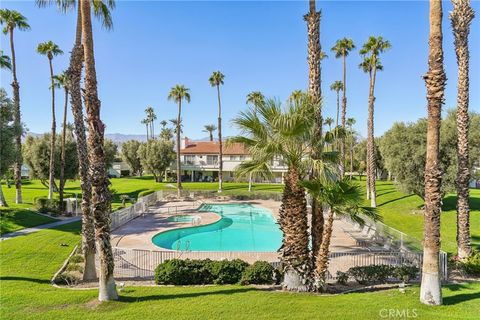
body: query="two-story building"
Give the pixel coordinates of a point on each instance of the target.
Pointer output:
(200, 161)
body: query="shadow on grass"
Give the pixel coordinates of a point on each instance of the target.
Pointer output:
(450, 203)
(396, 199)
(7, 278)
(185, 295)
(461, 297)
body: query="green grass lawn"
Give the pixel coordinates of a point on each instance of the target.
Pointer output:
(401, 212)
(17, 217)
(28, 263)
(398, 209)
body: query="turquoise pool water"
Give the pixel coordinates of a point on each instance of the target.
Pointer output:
(243, 227)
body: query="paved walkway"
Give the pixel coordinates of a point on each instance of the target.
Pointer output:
(37, 228)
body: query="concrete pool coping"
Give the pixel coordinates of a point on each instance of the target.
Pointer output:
(138, 233)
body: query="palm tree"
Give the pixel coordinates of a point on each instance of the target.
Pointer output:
(5, 62)
(274, 132)
(101, 10)
(328, 121)
(51, 50)
(255, 98)
(61, 81)
(461, 17)
(296, 95)
(98, 173)
(178, 94)
(342, 48)
(371, 51)
(216, 80)
(337, 86)
(430, 289)
(151, 117)
(350, 122)
(342, 198)
(210, 128)
(146, 122)
(15, 20)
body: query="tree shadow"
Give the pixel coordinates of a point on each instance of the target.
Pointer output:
(396, 199)
(9, 278)
(461, 297)
(450, 203)
(184, 295)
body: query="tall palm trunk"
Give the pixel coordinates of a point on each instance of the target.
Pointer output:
(461, 17)
(220, 143)
(371, 137)
(367, 172)
(293, 222)
(344, 115)
(62, 156)
(51, 177)
(338, 108)
(101, 196)
(430, 290)
(74, 75)
(17, 167)
(324, 250)
(314, 90)
(3, 202)
(351, 153)
(179, 168)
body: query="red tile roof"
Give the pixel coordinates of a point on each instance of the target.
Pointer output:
(212, 147)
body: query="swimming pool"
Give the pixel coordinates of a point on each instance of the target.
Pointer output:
(242, 227)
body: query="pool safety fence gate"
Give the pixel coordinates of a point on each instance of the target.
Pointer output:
(141, 264)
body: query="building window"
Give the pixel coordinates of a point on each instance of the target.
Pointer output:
(189, 159)
(212, 160)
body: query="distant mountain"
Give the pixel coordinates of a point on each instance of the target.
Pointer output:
(119, 138)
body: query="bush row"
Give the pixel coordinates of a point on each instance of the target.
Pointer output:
(194, 272)
(377, 274)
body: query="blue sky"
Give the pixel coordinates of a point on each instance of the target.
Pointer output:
(257, 45)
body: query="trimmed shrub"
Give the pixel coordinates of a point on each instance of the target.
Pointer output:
(371, 274)
(472, 264)
(184, 272)
(261, 272)
(45, 205)
(66, 279)
(145, 193)
(342, 277)
(405, 273)
(227, 272)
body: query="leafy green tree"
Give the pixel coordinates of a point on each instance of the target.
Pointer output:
(403, 148)
(131, 157)
(7, 138)
(156, 156)
(14, 20)
(111, 150)
(36, 152)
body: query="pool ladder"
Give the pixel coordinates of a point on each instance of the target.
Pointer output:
(179, 247)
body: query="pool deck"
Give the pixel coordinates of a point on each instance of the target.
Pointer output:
(138, 233)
